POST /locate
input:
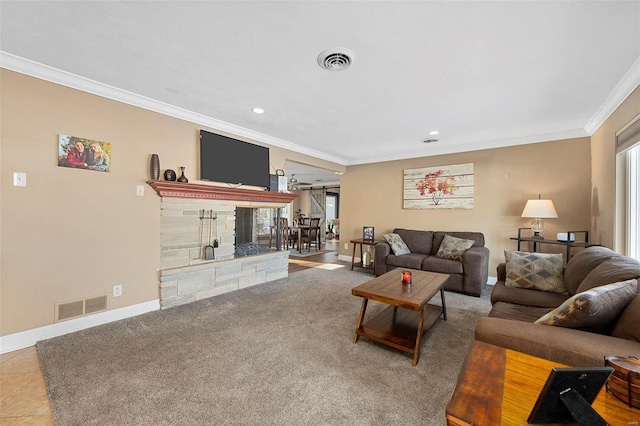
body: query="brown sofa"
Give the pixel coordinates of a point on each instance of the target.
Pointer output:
(510, 322)
(468, 276)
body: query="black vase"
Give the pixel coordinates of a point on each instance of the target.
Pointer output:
(182, 177)
(169, 175)
(154, 167)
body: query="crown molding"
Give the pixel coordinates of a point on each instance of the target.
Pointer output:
(476, 146)
(54, 75)
(623, 89)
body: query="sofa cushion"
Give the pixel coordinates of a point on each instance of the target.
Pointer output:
(444, 266)
(526, 297)
(592, 310)
(417, 241)
(398, 246)
(571, 347)
(454, 247)
(411, 260)
(517, 312)
(438, 236)
(627, 325)
(541, 271)
(615, 269)
(583, 262)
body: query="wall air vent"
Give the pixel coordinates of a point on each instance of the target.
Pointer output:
(336, 59)
(79, 308)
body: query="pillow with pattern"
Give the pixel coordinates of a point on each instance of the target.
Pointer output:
(592, 310)
(453, 247)
(398, 246)
(539, 271)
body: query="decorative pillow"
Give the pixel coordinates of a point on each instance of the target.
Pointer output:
(540, 271)
(397, 244)
(453, 247)
(592, 310)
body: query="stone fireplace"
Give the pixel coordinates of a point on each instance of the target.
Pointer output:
(194, 215)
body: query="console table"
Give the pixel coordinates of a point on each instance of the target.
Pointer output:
(499, 386)
(568, 244)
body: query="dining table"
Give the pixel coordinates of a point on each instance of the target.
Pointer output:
(299, 229)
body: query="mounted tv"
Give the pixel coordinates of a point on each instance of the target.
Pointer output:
(224, 159)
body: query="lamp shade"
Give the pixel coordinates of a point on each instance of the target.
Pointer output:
(542, 209)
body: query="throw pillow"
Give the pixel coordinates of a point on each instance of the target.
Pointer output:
(540, 271)
(453, 247)
(592, 310)
(397, 244)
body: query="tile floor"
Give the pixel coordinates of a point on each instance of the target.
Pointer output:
(23, 395)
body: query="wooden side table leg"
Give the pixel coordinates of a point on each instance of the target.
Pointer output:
(416, 350)
(353, 255)
(360, 318)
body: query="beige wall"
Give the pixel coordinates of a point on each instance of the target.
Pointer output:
(603, 163)
(371, 195)
(72, 233)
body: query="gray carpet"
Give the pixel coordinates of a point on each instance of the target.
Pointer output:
(279, 353)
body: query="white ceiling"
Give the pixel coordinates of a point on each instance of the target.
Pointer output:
(485, 74)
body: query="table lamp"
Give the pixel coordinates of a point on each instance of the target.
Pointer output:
(538, 210)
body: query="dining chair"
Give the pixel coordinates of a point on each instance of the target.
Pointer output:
(312, 236)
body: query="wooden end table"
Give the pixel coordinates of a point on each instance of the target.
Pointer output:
(499, 386)
(361, 242)
(401, 328)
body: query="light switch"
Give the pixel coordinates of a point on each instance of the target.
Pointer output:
(19, 179)
(140, 190)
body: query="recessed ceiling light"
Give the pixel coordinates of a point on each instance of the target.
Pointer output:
(258, 110)
(434, 132)
(339, 173)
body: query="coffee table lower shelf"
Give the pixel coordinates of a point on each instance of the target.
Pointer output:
(398, 327)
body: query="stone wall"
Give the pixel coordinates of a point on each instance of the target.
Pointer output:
(184, 275)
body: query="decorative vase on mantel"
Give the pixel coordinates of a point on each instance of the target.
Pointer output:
(170, 175)
(182, 177)
(154, 167)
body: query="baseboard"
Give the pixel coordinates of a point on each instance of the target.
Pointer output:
(492, 280)
(24, 339)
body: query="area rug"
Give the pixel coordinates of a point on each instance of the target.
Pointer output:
(295, 254)
(279, 353)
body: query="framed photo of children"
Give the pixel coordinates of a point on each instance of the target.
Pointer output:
(80, 153)
(367, 233)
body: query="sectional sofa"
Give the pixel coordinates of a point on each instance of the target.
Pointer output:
(597, 331)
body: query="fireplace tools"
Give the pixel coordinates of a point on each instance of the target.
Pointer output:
(208, 249)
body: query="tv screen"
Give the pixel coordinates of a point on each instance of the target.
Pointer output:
(224, 159)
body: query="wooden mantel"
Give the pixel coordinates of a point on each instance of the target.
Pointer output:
(166, 188)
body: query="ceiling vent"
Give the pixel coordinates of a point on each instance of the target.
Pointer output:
(336, 59)
(429, 140)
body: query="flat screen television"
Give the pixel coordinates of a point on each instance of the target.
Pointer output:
(224, 159)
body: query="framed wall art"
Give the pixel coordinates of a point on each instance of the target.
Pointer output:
(81, 153)
(442, 187)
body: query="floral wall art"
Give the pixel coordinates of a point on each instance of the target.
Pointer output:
(443, 187)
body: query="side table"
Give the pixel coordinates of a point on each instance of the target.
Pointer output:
(361, 242)
(499, 386)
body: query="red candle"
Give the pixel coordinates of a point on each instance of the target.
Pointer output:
(406, 277)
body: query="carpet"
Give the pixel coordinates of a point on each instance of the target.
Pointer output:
(279, 353)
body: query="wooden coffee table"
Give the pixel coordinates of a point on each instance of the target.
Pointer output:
(499, 386)
(401, 328)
